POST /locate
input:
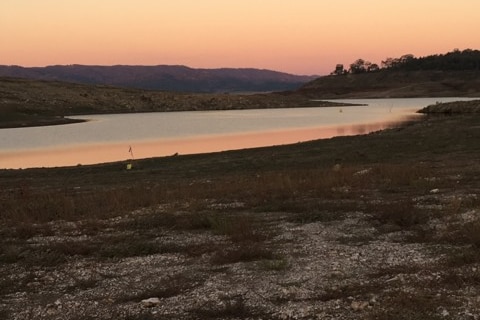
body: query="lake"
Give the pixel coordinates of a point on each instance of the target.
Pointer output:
(106, 138)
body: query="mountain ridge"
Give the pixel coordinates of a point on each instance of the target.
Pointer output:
(165, 77)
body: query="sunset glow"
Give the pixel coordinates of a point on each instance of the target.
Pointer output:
(302, 37)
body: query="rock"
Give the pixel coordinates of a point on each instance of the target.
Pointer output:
(150, 302)
(362, 172)
(445, 313)
(435, 191)
(359, 305)
(51, 309)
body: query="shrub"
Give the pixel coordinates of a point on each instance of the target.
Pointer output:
(242, 253)
(403, 213)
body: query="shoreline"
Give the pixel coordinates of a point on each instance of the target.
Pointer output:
(99, 153)
(15, 120)
(24, 121)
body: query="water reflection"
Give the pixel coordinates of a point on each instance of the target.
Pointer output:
(109, 152)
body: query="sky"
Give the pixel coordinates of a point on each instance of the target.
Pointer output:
(302, 37)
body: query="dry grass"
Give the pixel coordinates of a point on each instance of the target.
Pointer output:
(307, 195)
(400, 214)
(242, 253)
(228, 308)
(276, 189)
(417, 305)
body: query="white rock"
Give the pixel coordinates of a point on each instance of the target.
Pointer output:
(150, 302)
(362, 172)
(435, 191)
(359, 305)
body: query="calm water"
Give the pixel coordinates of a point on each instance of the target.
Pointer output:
(109, 137)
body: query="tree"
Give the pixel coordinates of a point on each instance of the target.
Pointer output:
(389, 63)
(406, 58)
(358, 66)
(338, 70)
(373, 67)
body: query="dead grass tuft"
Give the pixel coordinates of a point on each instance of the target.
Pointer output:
(238, 228)
(242, 253)
(419, 305)
(228, 308)
(403, 214)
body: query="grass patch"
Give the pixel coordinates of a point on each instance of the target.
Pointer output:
(278, 264)
(461, 233)
(123, 248)
(279, 190)
(228, 308)
(461, 256)
(239, 228)
(242, 253)
(356, 290)
(410, 306)
(471, 232)
(403, 214)
(16, 283)
(357, 240)
(460, 279)
(155, 221)
(315, 216)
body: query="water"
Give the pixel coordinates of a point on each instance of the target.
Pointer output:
(107, 138)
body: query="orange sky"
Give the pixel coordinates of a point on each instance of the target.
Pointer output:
(301, 36)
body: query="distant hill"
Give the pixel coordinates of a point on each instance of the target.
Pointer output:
(455, 73)
(165, 78)
(27, 102)
(395, 84)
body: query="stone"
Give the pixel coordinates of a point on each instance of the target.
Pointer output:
(445, 313)
(359, 305)
(150, 302)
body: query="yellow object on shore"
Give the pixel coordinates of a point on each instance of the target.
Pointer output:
(129, 166)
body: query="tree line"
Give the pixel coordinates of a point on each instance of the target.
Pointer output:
(456, 60)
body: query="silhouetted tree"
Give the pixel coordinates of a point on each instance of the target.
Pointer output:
(339, 70)
(373, 67)
(358, 66)
(456, 60)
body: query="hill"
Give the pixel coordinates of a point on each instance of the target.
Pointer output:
(455, 73)
(164, 77)
(25, 102)
(395, 84)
